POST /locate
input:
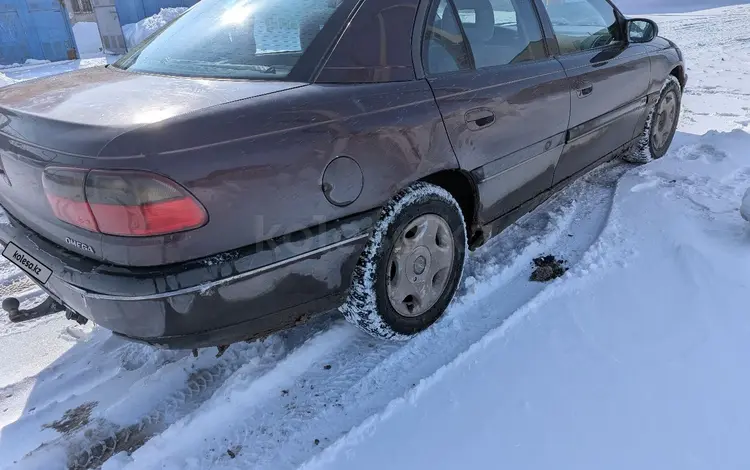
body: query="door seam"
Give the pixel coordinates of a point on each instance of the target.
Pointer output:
(445, 128)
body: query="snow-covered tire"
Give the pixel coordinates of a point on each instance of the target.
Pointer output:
(649, 146)
(368, 305)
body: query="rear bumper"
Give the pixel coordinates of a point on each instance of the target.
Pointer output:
(230, 297)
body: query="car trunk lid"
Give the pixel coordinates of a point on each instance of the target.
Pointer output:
(80, 112)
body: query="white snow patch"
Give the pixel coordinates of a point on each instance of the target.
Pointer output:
(117, 461)
(20, 74)
(135, 33)
(5, 80)
(28, 62)
(88, 40)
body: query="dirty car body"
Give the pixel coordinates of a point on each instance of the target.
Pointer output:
(279, 164)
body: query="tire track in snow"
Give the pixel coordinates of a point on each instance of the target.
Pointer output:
(110, 439)
(92, 445)
(102, 365)
(318, 405)
(246, 392)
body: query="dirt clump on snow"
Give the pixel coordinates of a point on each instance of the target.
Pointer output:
(547, 268)
(73, 419)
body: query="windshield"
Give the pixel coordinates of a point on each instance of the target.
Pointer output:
(233, 39)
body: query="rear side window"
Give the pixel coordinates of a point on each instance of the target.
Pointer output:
(260, 39)
(500, 32)
(444, 48)
(582, 25)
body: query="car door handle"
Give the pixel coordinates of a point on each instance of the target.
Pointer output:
(479, 118)
(585, 91)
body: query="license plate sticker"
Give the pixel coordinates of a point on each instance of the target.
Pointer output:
(28, 263)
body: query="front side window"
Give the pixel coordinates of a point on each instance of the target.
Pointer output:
(582, 25)
(258, 39)
(501, 32)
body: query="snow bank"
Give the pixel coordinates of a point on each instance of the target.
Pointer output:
(4, 80)
(136, 33)
(28, 62)
(87, 39)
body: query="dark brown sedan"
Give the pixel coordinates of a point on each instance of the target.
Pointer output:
(261, 161)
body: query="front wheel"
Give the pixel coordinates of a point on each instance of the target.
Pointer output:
(661, 125)
(412, 265)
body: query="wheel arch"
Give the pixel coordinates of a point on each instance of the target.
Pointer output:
(679, 73)
(463, 188)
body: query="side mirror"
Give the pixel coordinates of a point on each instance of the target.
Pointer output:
(641, 30)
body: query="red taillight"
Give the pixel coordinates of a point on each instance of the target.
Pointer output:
(125, 203)
(155, 218)
(64, 190)
(140, 204)
(72, 212)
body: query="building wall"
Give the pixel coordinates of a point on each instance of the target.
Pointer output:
(38, 29)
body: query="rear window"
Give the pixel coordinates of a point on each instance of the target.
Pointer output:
(257, 39)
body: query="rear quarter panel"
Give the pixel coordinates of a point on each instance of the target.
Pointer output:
(257, 165)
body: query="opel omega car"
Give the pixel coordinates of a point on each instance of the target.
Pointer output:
(258, 162)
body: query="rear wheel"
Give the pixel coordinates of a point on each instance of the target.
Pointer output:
(409, 272)
(660, 126)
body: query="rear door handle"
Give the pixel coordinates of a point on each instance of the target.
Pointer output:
(585, 91)
(479, 118)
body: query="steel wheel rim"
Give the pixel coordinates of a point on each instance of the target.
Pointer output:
(664, 120)
(420, 265)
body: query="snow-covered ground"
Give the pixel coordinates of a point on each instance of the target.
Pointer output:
(631, 7)
(28, 62)
(634, 359)
(5, 80)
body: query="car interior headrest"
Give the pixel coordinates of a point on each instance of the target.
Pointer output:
(483, 27)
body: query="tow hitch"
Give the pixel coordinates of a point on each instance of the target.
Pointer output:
(50, 306)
